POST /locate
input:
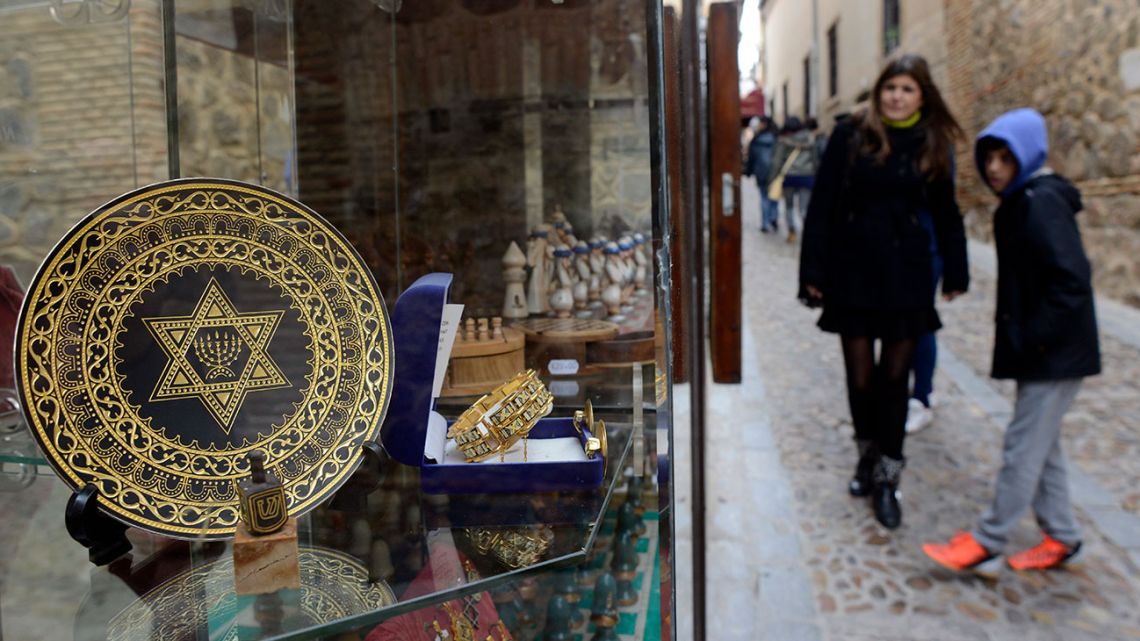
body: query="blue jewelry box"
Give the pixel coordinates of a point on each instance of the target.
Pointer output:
(415, 434)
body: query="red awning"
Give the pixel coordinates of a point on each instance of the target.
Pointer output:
(752, 104)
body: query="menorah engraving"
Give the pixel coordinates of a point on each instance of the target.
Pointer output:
(217, 352)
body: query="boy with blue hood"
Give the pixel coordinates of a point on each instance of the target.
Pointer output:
(1045, 339)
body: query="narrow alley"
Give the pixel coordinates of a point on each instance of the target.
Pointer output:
(792, 556)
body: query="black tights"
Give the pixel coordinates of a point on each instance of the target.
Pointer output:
(878, 392)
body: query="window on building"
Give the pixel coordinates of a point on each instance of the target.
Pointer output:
(807, 86)
(891, 33)
(785, 114)
(833, 60)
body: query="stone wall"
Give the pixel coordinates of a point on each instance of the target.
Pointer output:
(81, 120)
(235, 115)
(1068, 59)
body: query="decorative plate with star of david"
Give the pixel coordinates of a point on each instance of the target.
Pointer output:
(183, 325)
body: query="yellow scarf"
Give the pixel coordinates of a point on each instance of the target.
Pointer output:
(903, 124)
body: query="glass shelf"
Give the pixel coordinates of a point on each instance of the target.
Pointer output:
(404, 539)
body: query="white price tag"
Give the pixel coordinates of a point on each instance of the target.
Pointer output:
(563, 366)
(564, 388)
(448, 326)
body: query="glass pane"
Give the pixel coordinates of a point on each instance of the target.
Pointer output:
(435, 136)
(82, 119)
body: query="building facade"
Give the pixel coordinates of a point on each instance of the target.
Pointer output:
(1076, 61)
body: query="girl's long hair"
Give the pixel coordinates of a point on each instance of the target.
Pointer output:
(941, 127)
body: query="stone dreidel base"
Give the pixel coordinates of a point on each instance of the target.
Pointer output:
(264, 564)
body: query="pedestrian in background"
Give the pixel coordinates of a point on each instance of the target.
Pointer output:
(1045, 339)
(794, 163)
(757, 164)
(920, 407)
(867, 260)
(819, 137)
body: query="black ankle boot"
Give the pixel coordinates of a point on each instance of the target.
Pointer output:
(861, 483)
(884, 495)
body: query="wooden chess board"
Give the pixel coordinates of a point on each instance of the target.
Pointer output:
(572, 330)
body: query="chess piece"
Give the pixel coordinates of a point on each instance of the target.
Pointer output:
(496, 328)
(582, 282)
(361, 541)
(380, 568)
(614, 278)
(627, 521)
(641, 265)
(585, 574)
(562, 287)
(563, 230)
(624, 567)
(469, 330)
(597, 270)
(634, 487)
(528, 592)
(484, 329)
(566, 586)
(558, 617)
(604, 612)
(625, 260)
(537, 259)
(514, 275)
(509, 613)
(265, 542)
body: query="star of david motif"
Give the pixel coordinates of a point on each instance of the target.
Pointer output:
(217, 355)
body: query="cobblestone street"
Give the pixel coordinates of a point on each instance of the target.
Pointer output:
(818, 566)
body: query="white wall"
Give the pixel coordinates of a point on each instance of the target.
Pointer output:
(788, 38)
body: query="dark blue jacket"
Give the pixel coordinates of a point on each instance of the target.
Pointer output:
(1045, 317)
(760, 155)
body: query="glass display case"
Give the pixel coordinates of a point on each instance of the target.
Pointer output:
(516, 145)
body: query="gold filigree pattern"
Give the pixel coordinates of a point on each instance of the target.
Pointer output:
(334, 586)
(77, 358)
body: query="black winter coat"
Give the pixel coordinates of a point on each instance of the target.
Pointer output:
(1045, 317)
(863, 244)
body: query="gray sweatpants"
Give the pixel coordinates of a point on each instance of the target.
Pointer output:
(1033, 467)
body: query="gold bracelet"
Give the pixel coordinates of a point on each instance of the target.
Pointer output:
(498, 420)
(514, 547)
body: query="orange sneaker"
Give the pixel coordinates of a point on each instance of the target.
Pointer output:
(964, 554)
(1046, 555)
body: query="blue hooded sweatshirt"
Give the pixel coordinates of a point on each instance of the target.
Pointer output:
(1045, 315)
(1023, 131)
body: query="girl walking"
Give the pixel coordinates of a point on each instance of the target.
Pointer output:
(867, 258)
